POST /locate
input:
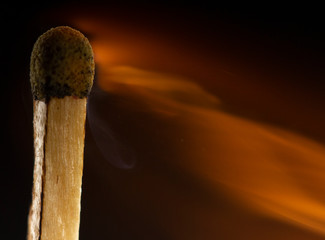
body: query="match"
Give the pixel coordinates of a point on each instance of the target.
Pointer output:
(61, 75)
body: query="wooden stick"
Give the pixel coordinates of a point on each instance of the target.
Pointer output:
(62, 70)
(39, 122)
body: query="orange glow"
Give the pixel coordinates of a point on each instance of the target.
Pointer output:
(270, 170)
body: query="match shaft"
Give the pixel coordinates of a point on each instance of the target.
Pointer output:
(64, 148)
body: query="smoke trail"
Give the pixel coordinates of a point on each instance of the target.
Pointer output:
(257, 163)
(113, 149)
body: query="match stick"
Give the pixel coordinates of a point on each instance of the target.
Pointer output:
(61, 74)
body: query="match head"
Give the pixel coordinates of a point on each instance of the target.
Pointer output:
(62, 64)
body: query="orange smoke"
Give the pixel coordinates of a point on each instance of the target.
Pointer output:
(270, 170)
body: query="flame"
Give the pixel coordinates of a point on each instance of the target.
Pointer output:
(272, 170)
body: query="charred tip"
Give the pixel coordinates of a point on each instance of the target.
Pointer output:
(62, 64)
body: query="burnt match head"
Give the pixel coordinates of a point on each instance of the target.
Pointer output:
(62, 64)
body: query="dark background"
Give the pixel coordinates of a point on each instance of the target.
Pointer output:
(286, 41)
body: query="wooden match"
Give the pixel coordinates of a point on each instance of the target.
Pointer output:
(61, 75)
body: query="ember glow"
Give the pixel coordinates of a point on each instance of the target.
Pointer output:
(267, 171)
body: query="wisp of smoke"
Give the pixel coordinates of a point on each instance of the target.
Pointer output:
(112, 148)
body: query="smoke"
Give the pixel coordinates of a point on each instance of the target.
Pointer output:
(113, 149)
(266, 168)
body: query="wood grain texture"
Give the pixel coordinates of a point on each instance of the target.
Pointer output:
(64, 148)
(39, 125)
